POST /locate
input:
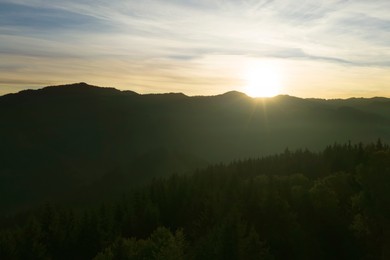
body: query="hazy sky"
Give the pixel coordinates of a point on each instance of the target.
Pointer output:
(316, 48)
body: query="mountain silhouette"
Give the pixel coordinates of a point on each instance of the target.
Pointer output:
(63, 140)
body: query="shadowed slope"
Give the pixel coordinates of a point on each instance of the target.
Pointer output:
(61, 139)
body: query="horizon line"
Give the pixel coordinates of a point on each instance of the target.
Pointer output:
(28, 89)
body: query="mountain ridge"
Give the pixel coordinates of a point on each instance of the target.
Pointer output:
(231, 93)
(62, 139)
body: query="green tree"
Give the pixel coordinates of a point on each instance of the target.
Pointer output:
(162, 244)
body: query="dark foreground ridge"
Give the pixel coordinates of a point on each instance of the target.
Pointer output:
(60, 141)
(333, 204)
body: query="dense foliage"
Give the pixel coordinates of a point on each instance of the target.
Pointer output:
(296, 205)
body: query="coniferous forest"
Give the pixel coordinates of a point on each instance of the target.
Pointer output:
(97, 173)
(332, 204)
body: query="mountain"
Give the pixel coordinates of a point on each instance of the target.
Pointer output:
(63, 141)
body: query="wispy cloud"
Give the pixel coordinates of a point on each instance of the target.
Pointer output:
(153, 45)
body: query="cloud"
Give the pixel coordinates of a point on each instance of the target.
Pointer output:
(146, 35)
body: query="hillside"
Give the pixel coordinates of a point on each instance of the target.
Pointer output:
(62, 140)
(332, 204)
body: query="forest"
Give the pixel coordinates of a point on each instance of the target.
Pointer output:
(298, 204)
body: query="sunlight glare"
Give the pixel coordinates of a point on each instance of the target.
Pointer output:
(263, 80)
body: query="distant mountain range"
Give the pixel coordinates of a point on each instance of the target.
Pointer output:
(80, 140)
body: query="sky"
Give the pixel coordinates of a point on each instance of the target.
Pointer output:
(311, 48)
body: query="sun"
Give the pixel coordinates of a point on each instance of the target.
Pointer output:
(263, 80)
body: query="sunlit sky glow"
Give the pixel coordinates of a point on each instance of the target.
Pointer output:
(319, 48)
